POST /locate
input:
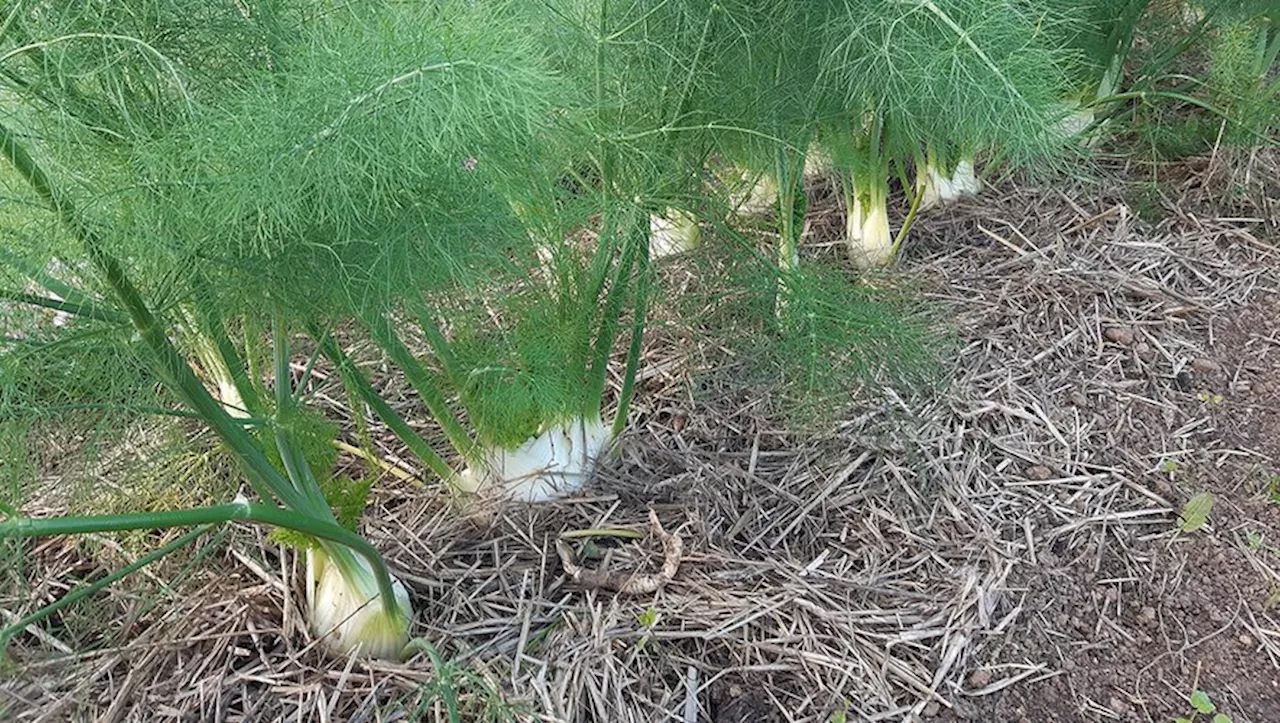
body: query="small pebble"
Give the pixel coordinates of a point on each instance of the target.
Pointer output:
(978, 679)
(1079, 400)
(1204, 366)
(1038, 473)
(1119, 705)
(1121, 335)
(1144, 351)
(1246, 641)
(931, 709)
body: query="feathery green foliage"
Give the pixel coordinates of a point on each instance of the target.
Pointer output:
(199, 180)
(1242, 55)
(958, 74)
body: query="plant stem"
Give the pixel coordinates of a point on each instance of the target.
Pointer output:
(295, 463)
(239, 511)
(67, 307)
(439, 344)
(639, 312)
(215, 328)
(907, 222)
(610, 315)
(53, 285)
(420, 379)
(358, 383)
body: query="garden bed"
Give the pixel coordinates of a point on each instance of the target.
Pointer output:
(1003, 547)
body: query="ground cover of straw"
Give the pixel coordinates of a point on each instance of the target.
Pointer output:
(1003, 547)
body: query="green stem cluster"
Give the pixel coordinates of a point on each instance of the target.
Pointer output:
(305, 509)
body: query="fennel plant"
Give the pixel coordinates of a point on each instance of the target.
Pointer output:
(212, 171)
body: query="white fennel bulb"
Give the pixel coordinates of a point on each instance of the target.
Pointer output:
(754, 194)
(551, 465)
(817, 163)
(346, 610)
(673, 232)
(965, 180)
(1076, 120)
(935, 189)
(867, 226)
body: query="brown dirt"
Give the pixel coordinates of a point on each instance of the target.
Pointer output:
(1132, 642)
(1129, 625)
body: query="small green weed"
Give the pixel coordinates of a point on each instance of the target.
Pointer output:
(1195, 514)
(1203, 706)
(1273, 599)
(648, 620)
(1254, 539)
(1273, 488)
(1209, 397)
(457, 693)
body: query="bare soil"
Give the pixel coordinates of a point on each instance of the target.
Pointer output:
(1130, 632)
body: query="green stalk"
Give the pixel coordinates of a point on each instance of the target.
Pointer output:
(141, 409)
(295, 464)
(611, 314)
(263, 477)
(439, 344)
(299, 393)
(1269, 42)
(357, 382)
(907, 222)
(254, 357)
(598, 274)
(55, 286)
(637, 342)
(215, 329)
(239, 511)
(92, 588)
(602, 37)
(597, 278)
(75, 309)
(685, 90)
(791, 209)
(420, 379)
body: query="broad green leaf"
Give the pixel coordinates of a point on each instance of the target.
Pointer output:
(1221, 718)
(1196, 513)
(1200, 701)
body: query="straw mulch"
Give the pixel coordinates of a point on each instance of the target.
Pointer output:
(1005, 548)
